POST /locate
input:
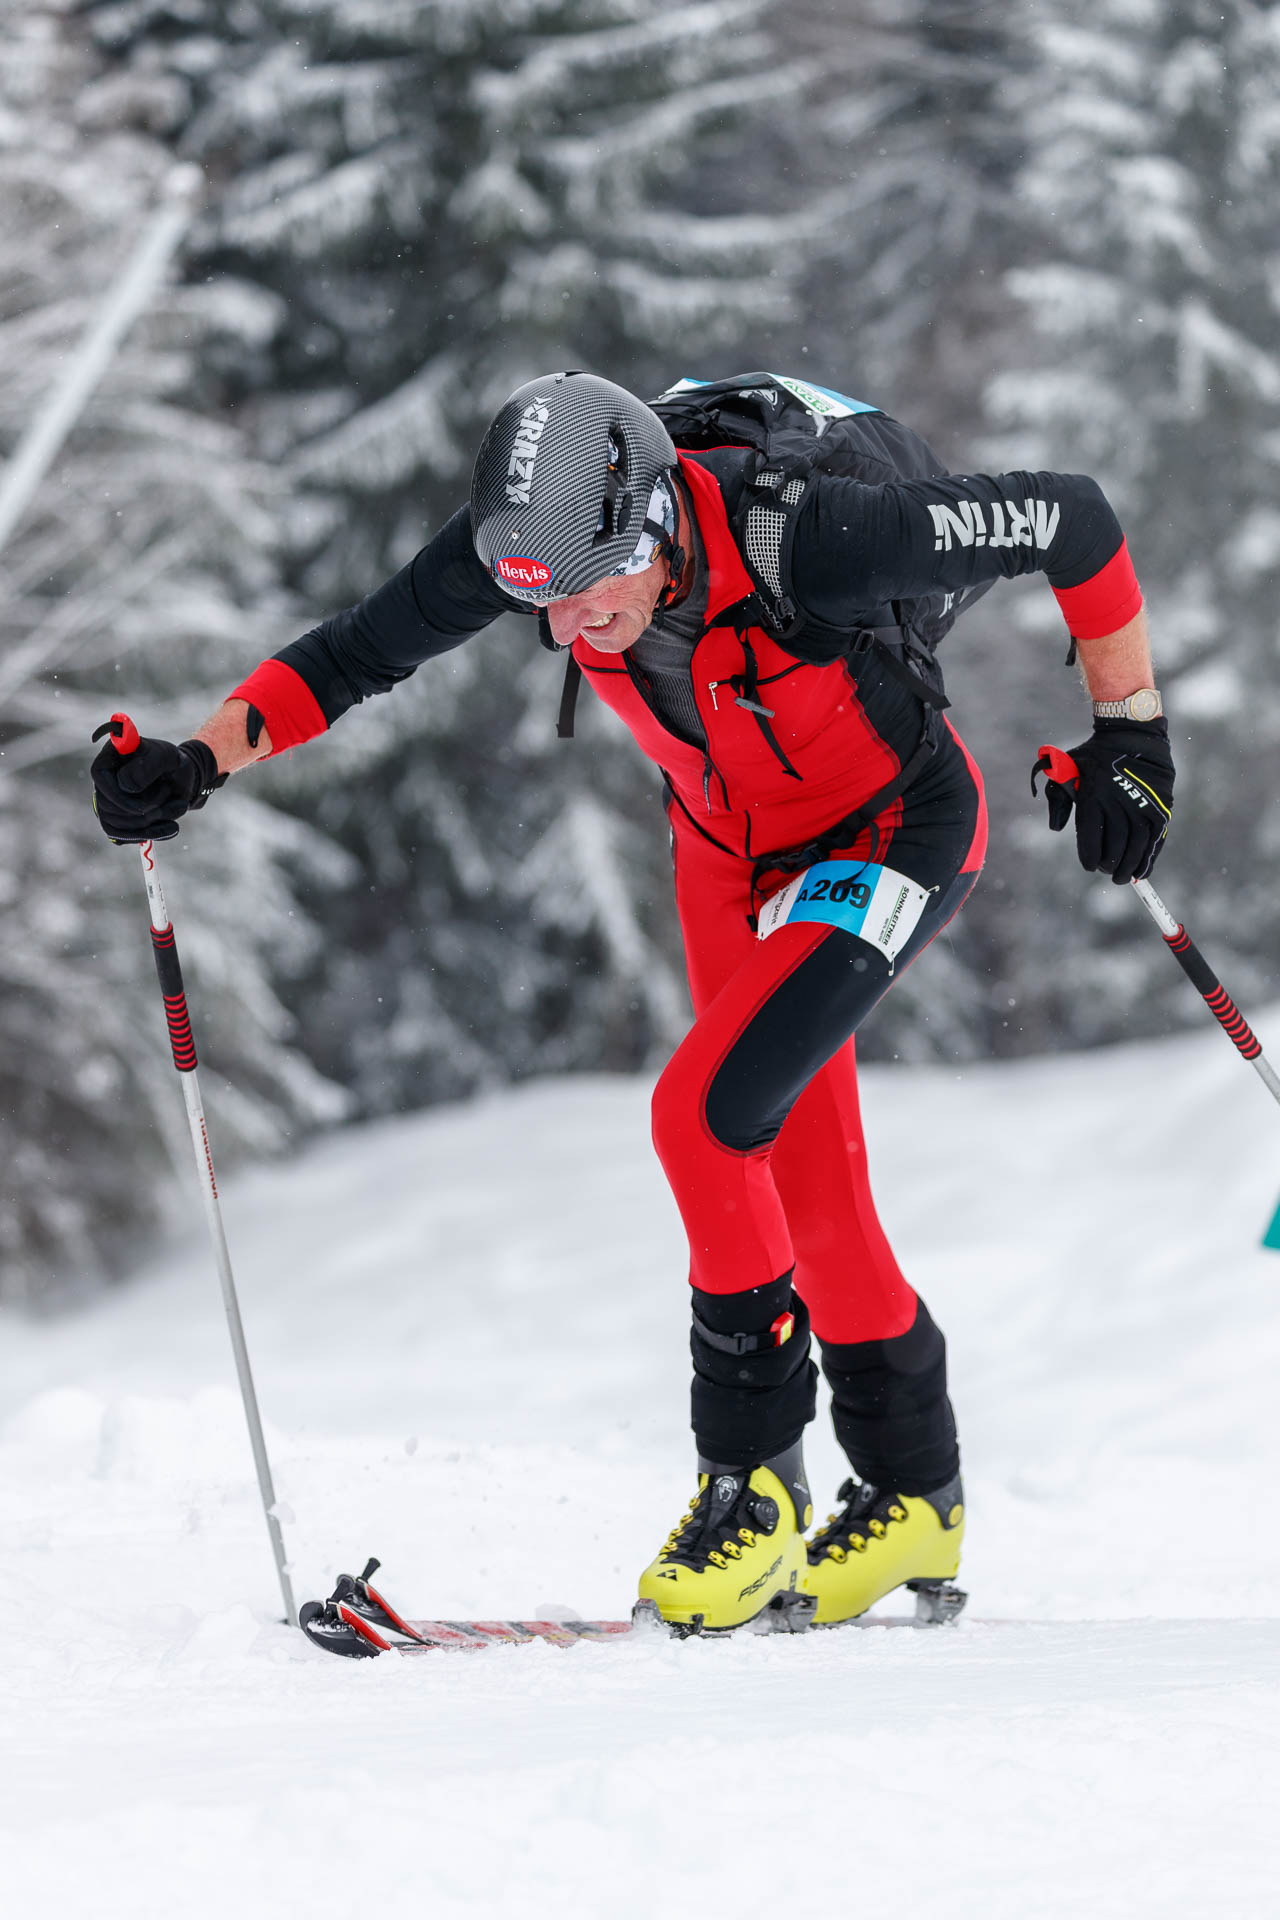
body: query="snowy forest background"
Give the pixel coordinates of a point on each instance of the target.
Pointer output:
(1045, 235)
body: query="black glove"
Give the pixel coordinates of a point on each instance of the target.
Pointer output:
(1121, 787)
(140, 795)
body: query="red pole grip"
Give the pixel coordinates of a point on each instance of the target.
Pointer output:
(125, 737)
(1058, 766)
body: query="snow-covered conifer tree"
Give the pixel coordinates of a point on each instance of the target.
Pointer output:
(143, 563)
(906, 148)
(1150, 285)
(905, 154)
(450, 199)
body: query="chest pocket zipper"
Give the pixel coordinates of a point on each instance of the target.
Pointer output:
(739, 699)
(745, 688)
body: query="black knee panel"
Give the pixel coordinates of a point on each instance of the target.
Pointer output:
(890, 1408)
(747, 1407)
(806, 1018)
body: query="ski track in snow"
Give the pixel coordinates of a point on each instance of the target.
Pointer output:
(469, 1331)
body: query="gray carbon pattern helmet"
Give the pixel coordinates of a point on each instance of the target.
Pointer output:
(562, 485)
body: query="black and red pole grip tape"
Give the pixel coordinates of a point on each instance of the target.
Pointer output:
(169, 969)
(1214, 994)
(1059, 766)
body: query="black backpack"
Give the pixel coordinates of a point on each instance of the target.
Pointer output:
(798, 431)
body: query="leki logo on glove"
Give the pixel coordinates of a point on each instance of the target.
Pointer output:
(523, 573)
(1127, 785)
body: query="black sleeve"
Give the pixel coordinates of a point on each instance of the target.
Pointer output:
(439, 600)
(857, 546)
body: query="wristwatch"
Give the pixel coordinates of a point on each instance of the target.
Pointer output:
(1145, 704)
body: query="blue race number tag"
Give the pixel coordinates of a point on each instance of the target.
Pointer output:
(875, 903)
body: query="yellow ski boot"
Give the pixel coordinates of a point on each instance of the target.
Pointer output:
(737, 1551)
(879, 1541)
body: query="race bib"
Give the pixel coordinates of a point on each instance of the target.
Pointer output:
(823, 402)
(875, 903)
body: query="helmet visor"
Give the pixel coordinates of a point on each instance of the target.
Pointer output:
(658, 530)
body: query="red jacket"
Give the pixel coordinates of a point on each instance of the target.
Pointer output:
(740, 792)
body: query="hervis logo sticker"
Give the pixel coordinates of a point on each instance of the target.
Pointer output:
(530, 574)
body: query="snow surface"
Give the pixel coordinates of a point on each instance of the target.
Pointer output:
(469, 1333)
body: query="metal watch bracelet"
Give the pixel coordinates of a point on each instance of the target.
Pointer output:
(1145, 704)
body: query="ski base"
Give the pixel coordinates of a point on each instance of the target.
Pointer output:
(356, 1622)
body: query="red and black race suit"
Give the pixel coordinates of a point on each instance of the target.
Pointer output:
(756, 1118)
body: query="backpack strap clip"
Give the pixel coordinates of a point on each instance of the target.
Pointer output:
(895, 656)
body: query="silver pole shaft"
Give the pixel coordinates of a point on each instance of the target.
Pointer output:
(1268, 1075)
(38, 448)
(222, 1257)
(1156, 907)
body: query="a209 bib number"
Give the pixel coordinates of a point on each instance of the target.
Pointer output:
(856, 892)
(874, 903)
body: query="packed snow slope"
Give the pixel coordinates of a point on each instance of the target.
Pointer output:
(469, 1333)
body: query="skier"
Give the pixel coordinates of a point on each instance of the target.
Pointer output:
(765, 628)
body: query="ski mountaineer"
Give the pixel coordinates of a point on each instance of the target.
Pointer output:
(753, 574)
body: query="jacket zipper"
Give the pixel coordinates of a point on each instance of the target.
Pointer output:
(739, 699)
(766, 680)
(701, 831)
(745, 686)
(708, 765)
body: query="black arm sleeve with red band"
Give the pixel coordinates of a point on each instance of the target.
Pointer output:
(857, 546)
(440, 599)
(854, 547)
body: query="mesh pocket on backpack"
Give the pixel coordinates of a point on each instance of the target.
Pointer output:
(764, 530)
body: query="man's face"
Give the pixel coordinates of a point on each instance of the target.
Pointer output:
(611, 615)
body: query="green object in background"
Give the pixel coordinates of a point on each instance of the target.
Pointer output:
(1271, 1238)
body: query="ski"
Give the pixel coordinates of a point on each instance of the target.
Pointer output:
(358, 1623)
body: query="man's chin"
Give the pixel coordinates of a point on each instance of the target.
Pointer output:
(612, 640)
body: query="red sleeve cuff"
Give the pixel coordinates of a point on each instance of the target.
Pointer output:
(1104, 604)
(286, 703)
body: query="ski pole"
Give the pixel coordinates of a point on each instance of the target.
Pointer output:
(1220, 1004)
(1061, 768)
(125, 737)
(1208, 986)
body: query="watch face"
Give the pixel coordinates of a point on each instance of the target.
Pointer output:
(1144, 705)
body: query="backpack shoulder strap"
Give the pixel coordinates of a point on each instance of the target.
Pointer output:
(568, 697)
